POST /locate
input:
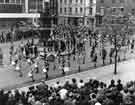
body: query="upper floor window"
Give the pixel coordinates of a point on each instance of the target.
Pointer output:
(122, 1)
(18, 1)
(81, 1)
(81, 10)
(91, 1)
(13, 1)
(70, 10)
(133, 11)
(76, 10)
(90, 11)
(60, 10)
(113, 10)
(65, 1)
(65, 10)
(6, 1)
(101, 1)
(102, 10)
(122, 9)
(60, 1)
(113, 1)
(70, 1)
(76, 1)
(1, 1)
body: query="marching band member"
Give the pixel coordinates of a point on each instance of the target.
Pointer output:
(30, 61)
(18, 69)
(14, 60)
(30, 74)
(36, 67)
(45, 72)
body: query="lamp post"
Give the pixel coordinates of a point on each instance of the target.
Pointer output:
(116, 24)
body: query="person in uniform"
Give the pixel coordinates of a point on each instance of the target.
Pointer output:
(104, 54)
(30, 61)
(132, 46)
(36, 67)
(62, 68)
(95, 59)
(18, 69)
(84, 58)
(35, 51)
(30, 74)
(54, 66)
(45, 72)
(111, 54)
(22, 46)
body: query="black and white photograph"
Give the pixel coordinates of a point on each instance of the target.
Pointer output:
(67, 52)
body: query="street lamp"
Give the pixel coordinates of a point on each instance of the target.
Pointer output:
(116, 24)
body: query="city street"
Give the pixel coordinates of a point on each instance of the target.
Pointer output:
(125, 70)
(9, 78)
(67, 52)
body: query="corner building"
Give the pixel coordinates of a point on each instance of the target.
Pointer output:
(76, 11)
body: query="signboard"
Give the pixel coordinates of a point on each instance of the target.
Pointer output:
(10, 8)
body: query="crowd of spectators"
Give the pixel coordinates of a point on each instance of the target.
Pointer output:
(73, 92)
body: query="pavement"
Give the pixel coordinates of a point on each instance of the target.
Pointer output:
(9, 78)
(125, 72)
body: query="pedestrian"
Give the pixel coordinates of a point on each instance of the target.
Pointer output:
(22, 46)
(128, 43)
(35, 51)
(92, 52)
(104, 54)
(63, 71)
(132, 47)
(30, 61)
(74, 57)
(54, 66)
(36, 67)
(45, 72)
(111, 54)
(68, 60)
(84, 58)
(18, 69)
(95, 59)
(1, 57)
(30, 75)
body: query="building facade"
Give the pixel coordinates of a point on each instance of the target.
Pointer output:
(13, 11)
(49, 15)
(114, 7)
(76, 11)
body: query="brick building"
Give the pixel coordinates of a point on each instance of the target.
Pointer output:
(114, 7)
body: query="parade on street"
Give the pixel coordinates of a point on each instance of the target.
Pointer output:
(67, 52)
